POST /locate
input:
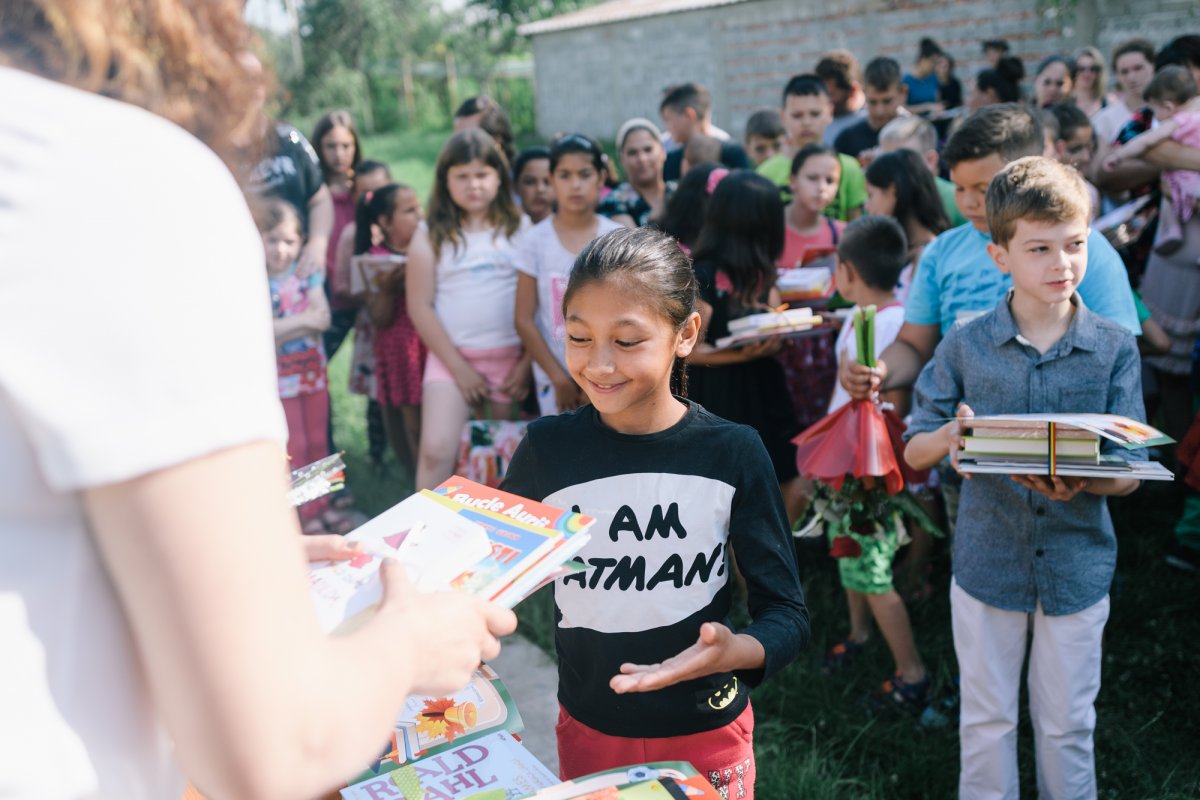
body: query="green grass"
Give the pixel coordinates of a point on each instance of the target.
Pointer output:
(410, 154)
(813, 739)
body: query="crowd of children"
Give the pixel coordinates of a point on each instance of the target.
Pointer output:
(518, 290)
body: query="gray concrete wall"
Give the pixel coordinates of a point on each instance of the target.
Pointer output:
(592, 79)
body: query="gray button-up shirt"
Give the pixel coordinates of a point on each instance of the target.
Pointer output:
(1013, 547)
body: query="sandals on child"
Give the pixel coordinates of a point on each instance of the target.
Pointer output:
(898, 694)
(841, 655)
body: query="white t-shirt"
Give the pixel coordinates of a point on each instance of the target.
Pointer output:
(476, 291)
(137, 336)
(541, 255)
(887, 326)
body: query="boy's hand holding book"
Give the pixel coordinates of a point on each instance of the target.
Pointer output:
(1062, 488)
(717, 650)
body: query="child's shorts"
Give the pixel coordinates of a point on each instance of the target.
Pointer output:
(724, 756)
(871, 572)
(493, 363)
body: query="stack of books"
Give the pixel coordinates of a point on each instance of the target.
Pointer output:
(461, 536)
(1060, 444)
(757, 327)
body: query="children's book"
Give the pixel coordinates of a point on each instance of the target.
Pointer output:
(367, 271)
(1060, 444)
(805, 283)
(317, 480)
(431, 725)
(757, 327)
(495, 767)
(461, 536)
(1028, 446)
(660, 780)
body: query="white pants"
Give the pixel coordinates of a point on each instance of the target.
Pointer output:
(1064, 679)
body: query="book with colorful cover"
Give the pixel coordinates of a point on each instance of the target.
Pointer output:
(1129, 433)
(495, 767)
(431, 725)
(461, 536)
(656, 781)
(530, 540)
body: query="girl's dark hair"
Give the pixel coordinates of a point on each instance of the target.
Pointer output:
(367, 166)
(684, 215)
(1066, 61)
(1068, 118)
(576, 143)
(445, 218)
(1004, 79)
(812, 151)
(529, 154)
(743, 233)
(329, 121)
(372, 207)
(649, 262)
(917, 198)
(928, 48)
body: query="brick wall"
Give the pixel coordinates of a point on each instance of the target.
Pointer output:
(592, 79)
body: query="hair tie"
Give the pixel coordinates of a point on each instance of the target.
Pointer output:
(369, 195)
(715, 177)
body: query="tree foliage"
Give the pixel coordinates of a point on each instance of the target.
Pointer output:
(498, 20)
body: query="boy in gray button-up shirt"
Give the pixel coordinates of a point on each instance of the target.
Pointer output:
(1030, 548)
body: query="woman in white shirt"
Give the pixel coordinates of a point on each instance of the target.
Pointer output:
(153, 600)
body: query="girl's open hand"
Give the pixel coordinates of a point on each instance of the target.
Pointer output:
(717, 650)
(1054, 487)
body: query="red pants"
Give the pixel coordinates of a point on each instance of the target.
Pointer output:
(307, 422)
(725, 756)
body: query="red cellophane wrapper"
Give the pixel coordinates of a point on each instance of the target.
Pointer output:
(861, 440)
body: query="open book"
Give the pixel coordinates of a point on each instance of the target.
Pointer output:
(462, 536)
(1060, 444)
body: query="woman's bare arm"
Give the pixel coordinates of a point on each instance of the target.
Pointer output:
(259, 702)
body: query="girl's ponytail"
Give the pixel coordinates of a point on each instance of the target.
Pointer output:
(371, 207)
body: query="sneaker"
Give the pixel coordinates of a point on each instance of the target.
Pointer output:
(1184, 558)
(896, 693)
(841, 655)
(810, 525)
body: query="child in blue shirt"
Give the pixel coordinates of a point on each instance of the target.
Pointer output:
(1038, 550)
(956, 280)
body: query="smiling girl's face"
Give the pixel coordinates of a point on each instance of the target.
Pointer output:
(621, 350)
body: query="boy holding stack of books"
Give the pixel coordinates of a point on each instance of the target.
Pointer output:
(1030, 549)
